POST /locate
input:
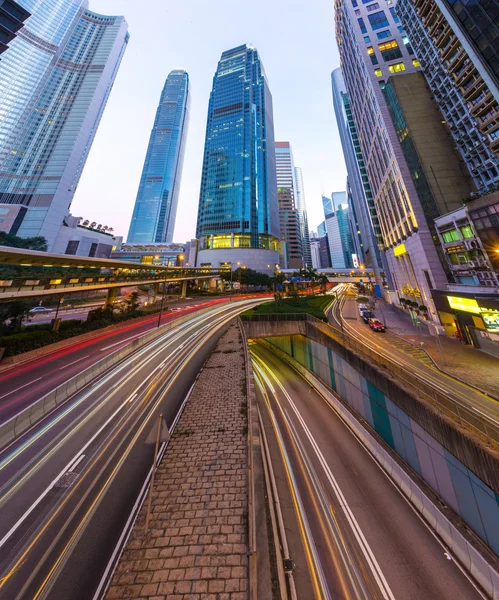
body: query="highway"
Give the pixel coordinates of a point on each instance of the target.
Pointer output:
(351, 534)
(23, 384)
(68, 486)
(344, 317)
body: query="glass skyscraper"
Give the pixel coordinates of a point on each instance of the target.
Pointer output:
(12, 16)
(238, 218)
(55, 79)
(302, 212)
(153, 219)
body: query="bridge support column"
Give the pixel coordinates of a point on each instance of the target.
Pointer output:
(183, 293)
(112, 293)
(213, 284)
(152, 293)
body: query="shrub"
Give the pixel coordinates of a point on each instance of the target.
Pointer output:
(423, 308)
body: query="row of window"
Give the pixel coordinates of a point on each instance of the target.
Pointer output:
(395, 68)
(452, 235)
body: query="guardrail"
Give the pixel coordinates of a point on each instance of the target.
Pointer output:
(484, 428)
(19, 424)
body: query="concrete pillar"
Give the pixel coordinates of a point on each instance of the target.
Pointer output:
(112, 293)
(183, 294)
(213, 284)
(152, 293)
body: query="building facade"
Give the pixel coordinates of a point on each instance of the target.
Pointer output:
(12, 17)
(460, 76)
(55, 79)
(315, 251)
(392, 110)
(289, 217)
(302, 213)
(238, 217)
(77, 239)
(165, 255)
(153, 219)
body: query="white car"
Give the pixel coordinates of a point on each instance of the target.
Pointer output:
(40, 310)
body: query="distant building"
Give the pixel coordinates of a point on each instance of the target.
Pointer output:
(315, 251)
(155, 211)
(59, 96)
(238, 217)
(302, 213)
(12, 17)
(83, 240)
(341, 248)
(289, 216)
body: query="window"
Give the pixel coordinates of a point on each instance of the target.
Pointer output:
(415, 62)
(394, 15)
(354, 3)
(357, 12)
(372, 7)
(378, 72)
(72, 247)
(397, 67)
(451, 236)
(390, 50)
(407, 44)
(467, 232)
(372, 55)
(93, 249)
(382, 35)
(400, 28)
(367, 39)
(362, 25)
(378, 20)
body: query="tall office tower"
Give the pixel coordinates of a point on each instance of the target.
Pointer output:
(460, 60)
(289, 218)
(358, 244)
(302, 212)
(238, 218)
(413, 169)
(339, 235)
(55, 79)
(315, 251)
(12, 17)
(360, 198)
(155, 210)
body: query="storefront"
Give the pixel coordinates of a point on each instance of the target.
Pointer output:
(472, 318)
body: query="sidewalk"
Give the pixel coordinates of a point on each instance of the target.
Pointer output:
(197, 544)
(472, 366)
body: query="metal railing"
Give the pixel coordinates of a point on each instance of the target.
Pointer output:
(466, 415)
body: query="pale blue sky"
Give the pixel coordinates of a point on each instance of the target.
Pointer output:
(295, 40)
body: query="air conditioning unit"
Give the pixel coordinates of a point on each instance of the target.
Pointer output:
(472, 263)
(471, 244)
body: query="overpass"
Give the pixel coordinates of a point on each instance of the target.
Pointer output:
(29, 273)
(339, 275)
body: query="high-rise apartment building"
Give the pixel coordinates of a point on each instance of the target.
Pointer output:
(360, 198)
(55, 79)
(238, 218)
(456, 46)
(302, 213)
(12, 17)
(393, 112)
(289, 218)
(153, 219)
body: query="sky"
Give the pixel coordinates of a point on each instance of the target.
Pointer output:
(295, 41)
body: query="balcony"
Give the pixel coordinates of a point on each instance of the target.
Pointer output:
(472, 87)
(456, 62)
(440, 35)
(483, 105)
(491, 119)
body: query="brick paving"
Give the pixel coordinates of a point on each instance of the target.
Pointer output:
(197, 544)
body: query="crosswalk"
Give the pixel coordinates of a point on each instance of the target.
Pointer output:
(413, 351)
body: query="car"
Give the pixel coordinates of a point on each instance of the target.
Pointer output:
(366, 315)
(376, 325)
(40, 310)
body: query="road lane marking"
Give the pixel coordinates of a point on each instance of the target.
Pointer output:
(20, 388)
(76, 463)
(122, 341)
(74, 362)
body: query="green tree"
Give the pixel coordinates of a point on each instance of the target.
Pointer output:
(132, 303)
(33, 243)
(323, 280)
(14, 314)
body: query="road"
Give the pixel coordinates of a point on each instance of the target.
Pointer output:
(344, 314)
(21, 385)
(68, 486)
(350, 532)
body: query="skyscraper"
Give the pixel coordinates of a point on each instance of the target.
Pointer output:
(12, 16)
(238, 218)
(455, 44)
(339, 235)
(289, 218)
(153, 218)
(393, 115)
(55, 79)
(302, 213)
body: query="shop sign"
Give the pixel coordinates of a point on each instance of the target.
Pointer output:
(408, 290)
(454, 249)
(491, 320)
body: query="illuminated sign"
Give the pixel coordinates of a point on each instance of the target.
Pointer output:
(399, 250)
(464, 304)
(454, 249)
(355, 261)
(491, 320)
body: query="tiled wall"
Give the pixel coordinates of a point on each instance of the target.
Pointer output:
(461, 489)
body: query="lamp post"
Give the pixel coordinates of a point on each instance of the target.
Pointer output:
(162, 300)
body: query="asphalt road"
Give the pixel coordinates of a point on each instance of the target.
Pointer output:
(345, 312)
(68, 486)
(23, 384)
(350, 532)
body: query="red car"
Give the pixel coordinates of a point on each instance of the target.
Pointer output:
(376, 325)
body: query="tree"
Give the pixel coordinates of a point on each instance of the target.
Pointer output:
(323, 280)
(32, 243)
(132, 303)
(14, 314)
